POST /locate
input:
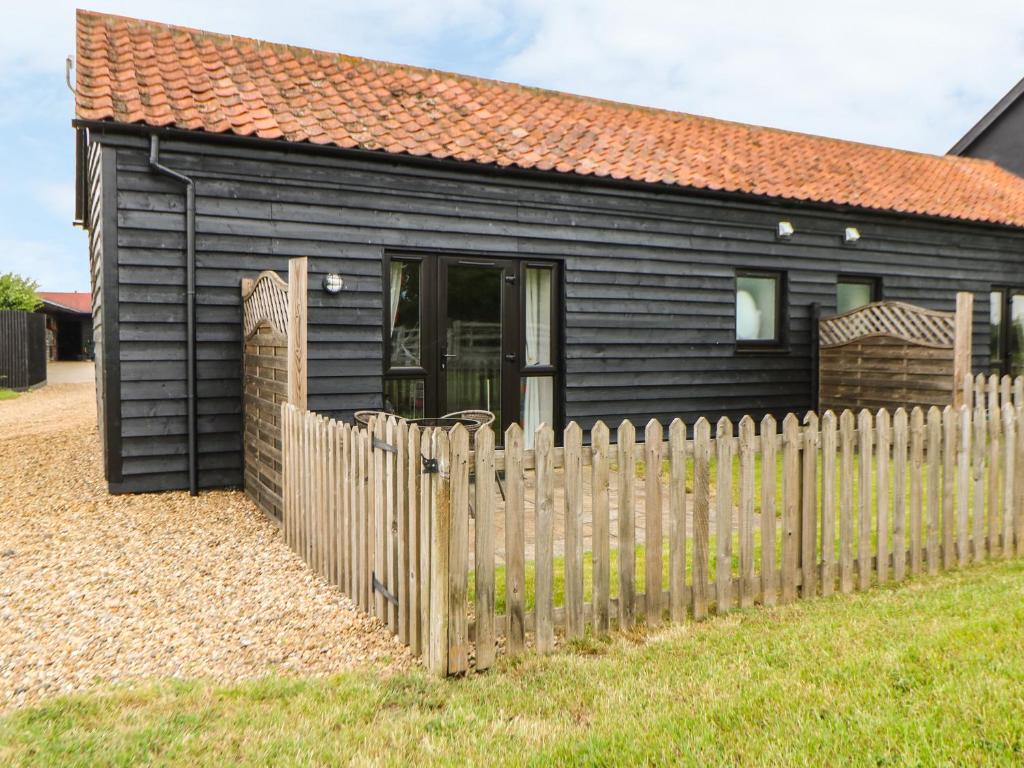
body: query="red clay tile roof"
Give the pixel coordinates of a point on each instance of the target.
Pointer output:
(76, 301)
(132, 71)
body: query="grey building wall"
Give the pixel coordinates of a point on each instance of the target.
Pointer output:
(999, 136)
(648, 283)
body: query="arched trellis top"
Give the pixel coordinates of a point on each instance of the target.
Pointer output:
(265, 299)
(273, 374)
(893, 319)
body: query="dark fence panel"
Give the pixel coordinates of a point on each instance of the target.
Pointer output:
(22, 349)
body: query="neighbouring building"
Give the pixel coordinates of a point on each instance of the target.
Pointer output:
(68, 324)
(999, 137)
(543, 255)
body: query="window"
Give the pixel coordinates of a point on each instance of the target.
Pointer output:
(1006, 331)
(537, 385)
(405, 375)
(855, 292)
(759, 309)
(996, 303)
(404, 314)
(406, 397)
(1015, 336)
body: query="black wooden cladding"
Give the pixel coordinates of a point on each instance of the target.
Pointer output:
(648, 283)
(22, 349)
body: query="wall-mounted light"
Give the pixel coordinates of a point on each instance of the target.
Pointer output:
(333, 283)
(785, 230)
(851, 236)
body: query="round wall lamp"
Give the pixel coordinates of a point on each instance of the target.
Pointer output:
(333, 283)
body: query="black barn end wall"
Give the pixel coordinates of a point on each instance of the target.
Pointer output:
(1002, 142)
(649, 289)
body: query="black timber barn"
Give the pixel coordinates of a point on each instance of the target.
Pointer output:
(681, 280)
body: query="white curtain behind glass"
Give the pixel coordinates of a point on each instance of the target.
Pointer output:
(748, 317)
(396, 292)
(538, 317)
(538, 397)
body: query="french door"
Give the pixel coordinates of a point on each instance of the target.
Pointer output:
(1006, 350)
(471, 333)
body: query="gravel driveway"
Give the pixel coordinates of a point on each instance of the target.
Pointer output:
(97, 588)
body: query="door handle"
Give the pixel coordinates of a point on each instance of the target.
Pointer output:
(511, 357)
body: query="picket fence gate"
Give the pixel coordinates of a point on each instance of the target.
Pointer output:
(405, 520)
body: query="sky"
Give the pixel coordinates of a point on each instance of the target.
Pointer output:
(909, 74)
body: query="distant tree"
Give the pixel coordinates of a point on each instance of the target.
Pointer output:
(17, 292)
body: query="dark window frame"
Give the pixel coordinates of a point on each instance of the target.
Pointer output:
(425, 370)
(433, 299)
(781, 340)
(873, 281)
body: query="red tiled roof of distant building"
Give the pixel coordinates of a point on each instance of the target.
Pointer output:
(76, 301)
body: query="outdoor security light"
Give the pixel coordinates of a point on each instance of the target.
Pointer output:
(785, 230)
(333, 283)
(852, 235)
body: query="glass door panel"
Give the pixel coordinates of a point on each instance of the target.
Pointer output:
(1015, 336)
(996, 302)
(472, 354)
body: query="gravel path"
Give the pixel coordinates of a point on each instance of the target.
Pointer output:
(97, 588)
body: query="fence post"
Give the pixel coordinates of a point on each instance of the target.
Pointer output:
(883, 431)
(601, 562)
(440, 537)
(653, 538)
(809, 507)
(701, 510)
(723, 516)
(297, 291)
(484, 544)
(962, 329)
(1018, 491)
(865, 445)
(458, 555)
(515, 540)
(544, 569)
(1009, 475)
(769, 578)
(790, 505)
(573, 470)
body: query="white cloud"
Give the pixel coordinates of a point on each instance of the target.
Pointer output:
(37, 36)
(48, 262)
(57, 197)
(910, 74)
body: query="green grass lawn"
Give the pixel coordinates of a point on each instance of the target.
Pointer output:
(928, 673)
(7, 394)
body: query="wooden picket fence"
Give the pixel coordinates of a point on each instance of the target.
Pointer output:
(352, 501)
(993, 392)
(408, 522)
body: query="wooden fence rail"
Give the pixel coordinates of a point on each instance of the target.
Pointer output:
(439, 537)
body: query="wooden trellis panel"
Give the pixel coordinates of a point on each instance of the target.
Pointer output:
(891, 354)
(269, 377)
